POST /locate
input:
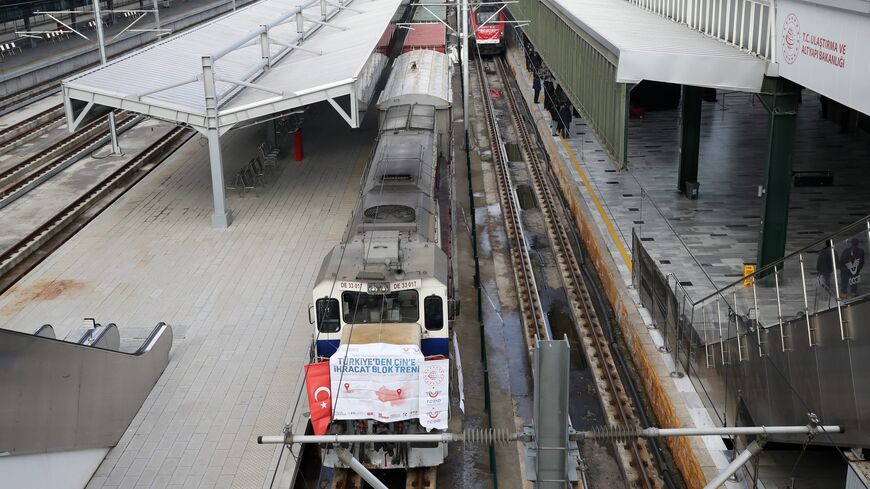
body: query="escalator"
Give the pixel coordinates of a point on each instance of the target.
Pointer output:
(63, 403)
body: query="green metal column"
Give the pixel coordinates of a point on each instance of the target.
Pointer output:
(780, 97)
(690, 135)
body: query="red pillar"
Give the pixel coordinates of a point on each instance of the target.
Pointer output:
(297, 141)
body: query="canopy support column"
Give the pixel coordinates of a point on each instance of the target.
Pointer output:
(780, 97)
(27, 15)
(222, 216)
(690, 136)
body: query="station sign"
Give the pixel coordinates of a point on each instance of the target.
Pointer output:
(826, 50)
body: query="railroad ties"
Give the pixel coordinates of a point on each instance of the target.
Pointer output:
(634, 457)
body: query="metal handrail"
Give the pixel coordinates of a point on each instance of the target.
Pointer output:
(95, 391)
(747, 25)
(778, 263)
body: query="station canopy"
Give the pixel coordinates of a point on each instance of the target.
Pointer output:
(266, 58)
(652, 47)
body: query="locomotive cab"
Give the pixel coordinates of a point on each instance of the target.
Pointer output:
(383, 295)
(488, 24)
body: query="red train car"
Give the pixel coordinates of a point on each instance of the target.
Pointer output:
(487, 22)
(426, 36)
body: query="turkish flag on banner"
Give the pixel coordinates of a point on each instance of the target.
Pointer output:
(319, 396)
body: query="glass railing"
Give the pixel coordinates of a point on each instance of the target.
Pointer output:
(717, 340)
(825, 275)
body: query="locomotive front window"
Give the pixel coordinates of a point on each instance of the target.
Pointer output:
(433, 313)
(395, 307)
(483, 16)
(327, 316)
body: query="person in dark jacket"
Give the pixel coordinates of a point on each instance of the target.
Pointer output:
(851, 263)
(536, 60)
(559, 98)
(565, 116)
(550, 104)
(536, 86)
(528, 50)
(825, 266)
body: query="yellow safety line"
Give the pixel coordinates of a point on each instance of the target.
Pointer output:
(607, 222)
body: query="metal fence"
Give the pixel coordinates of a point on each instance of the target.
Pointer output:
(745, 24)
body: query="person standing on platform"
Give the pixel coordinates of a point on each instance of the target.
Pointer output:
(565, 117)
(851, 263)
(826, 263)
(550, 104)
(536, 85)
(527, 51)
(536, 60)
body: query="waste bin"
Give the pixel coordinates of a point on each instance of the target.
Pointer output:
(692, 190)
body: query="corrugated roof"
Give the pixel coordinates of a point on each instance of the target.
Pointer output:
(651, 47)
(411, 82)
(336, 54)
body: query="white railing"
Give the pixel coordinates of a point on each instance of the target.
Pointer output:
(745, 24)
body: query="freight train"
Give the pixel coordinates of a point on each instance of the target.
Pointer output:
(383, 297)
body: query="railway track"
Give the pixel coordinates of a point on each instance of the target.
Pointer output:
(19, 258)
(27, 97)
(24, 176)
(634, 457)
(534, 319)
(31, 127)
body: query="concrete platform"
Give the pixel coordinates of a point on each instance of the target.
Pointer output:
(674, 400)
(720, 229)
(235, 298)
(703, 242)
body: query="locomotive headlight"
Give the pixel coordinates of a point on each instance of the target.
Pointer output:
(378, 288)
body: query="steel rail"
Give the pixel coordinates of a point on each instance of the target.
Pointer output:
(33, 171)
(30, 127)
(18, 100)
(53, 226)
(634, 456)
(534, 319)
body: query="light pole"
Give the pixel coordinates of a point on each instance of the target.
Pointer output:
(464, 61)
(157, 21)
(116, 149)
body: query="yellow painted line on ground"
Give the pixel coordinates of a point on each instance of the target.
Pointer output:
(607, 222)
(604, 217)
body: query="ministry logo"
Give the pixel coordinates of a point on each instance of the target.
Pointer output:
(791, 38)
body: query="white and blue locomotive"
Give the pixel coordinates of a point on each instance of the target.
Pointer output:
(393, 267)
